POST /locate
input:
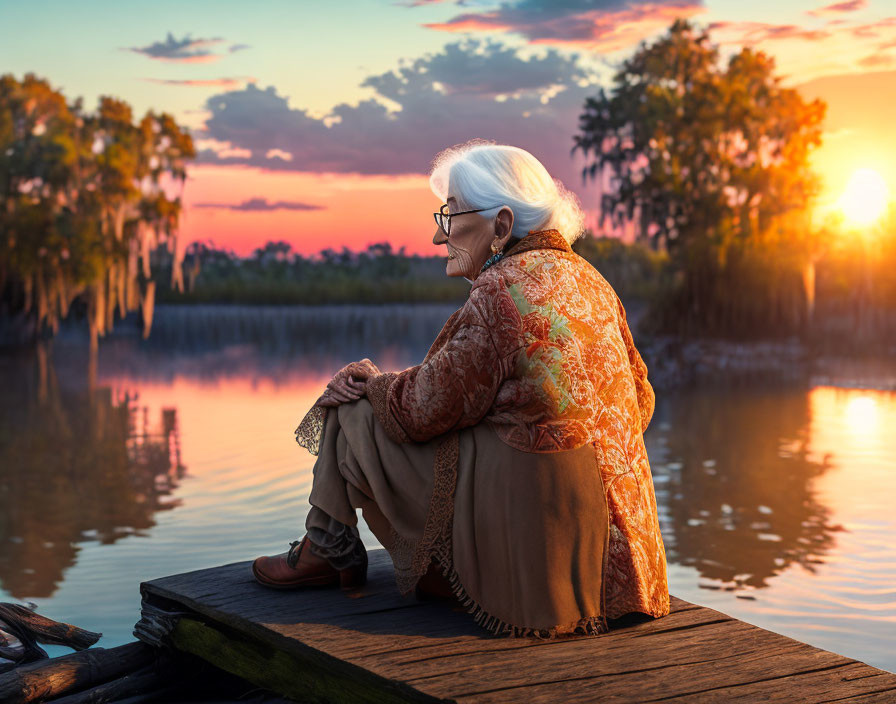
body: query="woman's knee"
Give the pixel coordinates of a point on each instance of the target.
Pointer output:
(360, 406)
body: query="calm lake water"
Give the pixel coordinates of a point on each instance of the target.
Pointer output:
(776, 504)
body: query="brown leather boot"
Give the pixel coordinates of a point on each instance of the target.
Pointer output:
(299, 567)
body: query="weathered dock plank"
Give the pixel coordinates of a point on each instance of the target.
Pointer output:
(373, 645)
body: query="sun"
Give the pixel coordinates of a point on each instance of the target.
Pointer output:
(865, 197)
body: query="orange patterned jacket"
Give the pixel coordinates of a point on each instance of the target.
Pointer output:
(542, 351)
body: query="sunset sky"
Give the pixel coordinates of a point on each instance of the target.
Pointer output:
(316, 123)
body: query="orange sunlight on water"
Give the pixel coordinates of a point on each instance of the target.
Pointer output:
(841, 596)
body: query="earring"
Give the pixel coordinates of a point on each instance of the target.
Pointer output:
(497, 255)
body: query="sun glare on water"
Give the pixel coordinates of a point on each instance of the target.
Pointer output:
(865, 197)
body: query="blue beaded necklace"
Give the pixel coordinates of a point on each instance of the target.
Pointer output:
(491, 260)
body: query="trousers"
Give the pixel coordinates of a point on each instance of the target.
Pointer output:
(359, 467)
(527, 532)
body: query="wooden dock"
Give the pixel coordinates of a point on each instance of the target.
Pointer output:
(372, 645)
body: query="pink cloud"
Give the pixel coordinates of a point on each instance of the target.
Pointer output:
(803, 52)
(749, 33)
(199, 82)
(873, 30)
(877, 61)
(473, 22)
(615, 26)
(839, 8)
(186, 50)
(198, 59)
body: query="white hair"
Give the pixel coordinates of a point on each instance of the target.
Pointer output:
(483, 173)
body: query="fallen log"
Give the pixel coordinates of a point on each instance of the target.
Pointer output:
(27, 628)
(149, 679)
(50, 678)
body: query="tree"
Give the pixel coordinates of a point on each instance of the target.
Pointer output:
(710, 162)
(83, 201)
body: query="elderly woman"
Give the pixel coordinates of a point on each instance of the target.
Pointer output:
(508, 468)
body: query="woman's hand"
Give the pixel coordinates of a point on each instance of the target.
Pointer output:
(342, 391)
(348, 384)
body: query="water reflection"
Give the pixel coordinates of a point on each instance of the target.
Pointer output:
(75, 466)
(735, 480)
(753, 484)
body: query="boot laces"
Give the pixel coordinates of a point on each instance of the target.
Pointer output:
(295, 551)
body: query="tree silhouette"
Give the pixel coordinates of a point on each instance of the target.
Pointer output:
(711, 163)
(83, 203)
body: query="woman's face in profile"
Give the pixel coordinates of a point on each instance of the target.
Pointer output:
(470, 239)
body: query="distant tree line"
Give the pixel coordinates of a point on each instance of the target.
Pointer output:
(854, 285)
(275, 274)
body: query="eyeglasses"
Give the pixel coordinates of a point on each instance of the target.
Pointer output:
(443, 217)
